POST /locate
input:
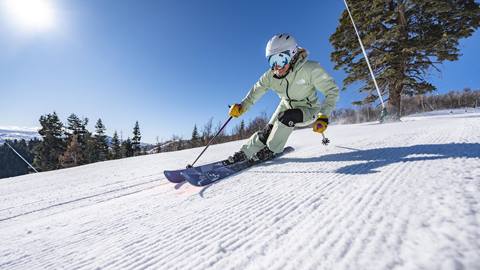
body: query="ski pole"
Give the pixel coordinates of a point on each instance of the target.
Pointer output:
(30, 165)
(211, 140)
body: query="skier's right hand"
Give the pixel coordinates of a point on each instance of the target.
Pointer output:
(236, 110)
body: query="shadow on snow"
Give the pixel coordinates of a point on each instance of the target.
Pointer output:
(373, 159)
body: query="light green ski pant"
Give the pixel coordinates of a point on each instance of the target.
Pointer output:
(280, 132)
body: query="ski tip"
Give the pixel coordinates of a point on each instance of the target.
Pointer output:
(173, 176)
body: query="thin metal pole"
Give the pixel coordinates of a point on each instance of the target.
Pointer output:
(211, 140)
(364, 54)
(21, 157)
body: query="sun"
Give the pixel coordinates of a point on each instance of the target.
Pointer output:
(30, 15)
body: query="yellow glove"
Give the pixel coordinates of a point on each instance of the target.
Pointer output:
(321, 124)
(236, 110)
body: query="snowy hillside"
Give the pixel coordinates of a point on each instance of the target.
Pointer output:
(393, 196)
(17, 133)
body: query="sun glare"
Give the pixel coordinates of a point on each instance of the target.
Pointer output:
(31, 15)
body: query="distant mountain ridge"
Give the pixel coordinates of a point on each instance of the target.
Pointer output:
(18, 133)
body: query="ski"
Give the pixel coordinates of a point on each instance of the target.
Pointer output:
(175, 176)
(210, 173)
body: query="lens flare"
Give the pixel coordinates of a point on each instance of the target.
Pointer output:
(30, 15)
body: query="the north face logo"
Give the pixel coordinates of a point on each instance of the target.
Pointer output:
(300, 82)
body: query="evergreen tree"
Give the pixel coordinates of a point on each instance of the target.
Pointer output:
(101, 141)
(73, 154)
(78, 127)
(404, 39)
(32, 144)
(127, 148)
(48, 151)
(136, 139)
(90, 149)
(116, 148)
(240, 132)
(10, 163)
(195, 137)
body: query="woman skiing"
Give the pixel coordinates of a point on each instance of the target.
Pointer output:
(295, 79)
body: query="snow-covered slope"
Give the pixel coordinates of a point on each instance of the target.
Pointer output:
(393, 196)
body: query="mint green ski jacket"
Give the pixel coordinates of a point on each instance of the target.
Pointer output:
(299, 88)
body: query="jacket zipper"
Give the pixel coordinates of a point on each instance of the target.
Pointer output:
(289, 100)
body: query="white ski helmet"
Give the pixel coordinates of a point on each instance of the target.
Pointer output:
(280, 43)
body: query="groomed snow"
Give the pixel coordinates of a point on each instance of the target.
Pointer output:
(393, 196)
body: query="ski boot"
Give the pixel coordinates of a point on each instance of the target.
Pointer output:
(237, 157)
(264, 154)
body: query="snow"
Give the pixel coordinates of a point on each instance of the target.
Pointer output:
(447, 113)
(381, 196)
(20, 129)
(18, 133)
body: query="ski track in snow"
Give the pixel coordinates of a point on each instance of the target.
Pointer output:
(393, 196)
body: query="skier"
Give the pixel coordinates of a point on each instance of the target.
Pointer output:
(295, 79)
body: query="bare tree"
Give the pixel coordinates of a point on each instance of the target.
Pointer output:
(207, 131)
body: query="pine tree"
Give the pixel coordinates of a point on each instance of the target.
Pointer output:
(72, 155)
(48, 151)
(136, 139)
(6, 157)
(127, 148)
(10, 163)
(195, 136)
(404, 39)
(116, 148)
(101, 141)
(32, 144)
(78, 127)
(73, 123)
(90, 149)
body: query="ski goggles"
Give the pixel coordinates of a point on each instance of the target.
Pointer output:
(279, 59)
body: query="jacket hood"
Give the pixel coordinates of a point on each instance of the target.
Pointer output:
(300, 59)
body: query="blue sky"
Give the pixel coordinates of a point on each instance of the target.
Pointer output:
(167, 64)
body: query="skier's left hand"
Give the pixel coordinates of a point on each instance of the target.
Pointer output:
(321, 124)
